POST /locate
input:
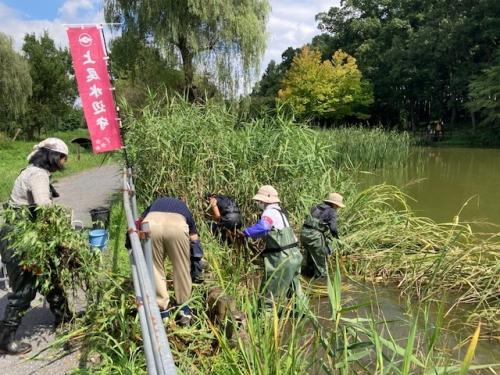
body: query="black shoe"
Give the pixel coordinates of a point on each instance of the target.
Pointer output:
(8, 344)
(185, 316)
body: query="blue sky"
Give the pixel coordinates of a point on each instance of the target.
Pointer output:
(291, 22)
(33, 9)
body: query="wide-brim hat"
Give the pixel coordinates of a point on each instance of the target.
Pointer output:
(335, 198)
(267, 194)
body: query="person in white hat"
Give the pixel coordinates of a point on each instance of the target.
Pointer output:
(321, 220)
(282, 257)
(31, 189)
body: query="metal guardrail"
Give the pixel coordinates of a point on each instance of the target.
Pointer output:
(159, 359)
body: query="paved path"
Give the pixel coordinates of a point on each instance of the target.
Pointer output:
(81, 192)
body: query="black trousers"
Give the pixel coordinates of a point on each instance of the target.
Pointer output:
(24, 289)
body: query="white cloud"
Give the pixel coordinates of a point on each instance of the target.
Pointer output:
(292, 24)
(73, 8)
(16, 25)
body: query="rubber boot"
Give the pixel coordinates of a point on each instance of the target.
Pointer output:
(8, 343)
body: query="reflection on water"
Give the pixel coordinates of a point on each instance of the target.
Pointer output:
(443, 179)
(384, 304)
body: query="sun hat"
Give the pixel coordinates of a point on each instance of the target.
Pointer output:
(267, 194)
(54, 144)
(335, 198)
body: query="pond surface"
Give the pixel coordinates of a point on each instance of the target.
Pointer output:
(442, 180)
(383, 303)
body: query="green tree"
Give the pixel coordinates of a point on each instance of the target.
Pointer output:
(331, 89)
(418, 55)
(485, 99)
(54, 89)
(141, 69)
(226, 38)
(15, 83)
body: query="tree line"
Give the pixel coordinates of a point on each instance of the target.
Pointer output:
(424, 60)
(400, 64)
(37, 87)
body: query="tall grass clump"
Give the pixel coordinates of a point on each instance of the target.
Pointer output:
(182, 149)
(369, 149)
(383, 240)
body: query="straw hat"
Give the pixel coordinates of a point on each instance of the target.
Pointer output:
(335, 198)
(54, 144)
(267, 194)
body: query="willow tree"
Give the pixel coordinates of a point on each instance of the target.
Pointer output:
(224, 38)
(15, 83)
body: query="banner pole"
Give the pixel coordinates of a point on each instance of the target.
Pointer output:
(112, 78)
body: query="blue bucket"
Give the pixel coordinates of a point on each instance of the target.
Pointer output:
(98, 238)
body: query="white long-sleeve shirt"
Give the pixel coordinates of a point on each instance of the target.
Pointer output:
(32, 187)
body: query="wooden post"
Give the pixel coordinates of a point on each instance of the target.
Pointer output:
(18, 130)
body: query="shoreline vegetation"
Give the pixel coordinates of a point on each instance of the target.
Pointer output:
(181, 149)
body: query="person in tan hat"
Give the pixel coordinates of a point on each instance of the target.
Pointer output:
(282, 257)
(31, 189)
(313, 235)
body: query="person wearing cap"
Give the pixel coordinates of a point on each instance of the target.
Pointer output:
(282, 257)
(321, 220)
(225, 216)
(31, 189)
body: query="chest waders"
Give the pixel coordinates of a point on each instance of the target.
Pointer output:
(313, 240)
(282, 261)
(24, 288)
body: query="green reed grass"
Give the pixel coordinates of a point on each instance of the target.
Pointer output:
(179, 149)
(385, 241)
(342, 342)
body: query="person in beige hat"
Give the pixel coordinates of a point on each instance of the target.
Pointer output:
(321, 220)
(31, 189)
(282, 257)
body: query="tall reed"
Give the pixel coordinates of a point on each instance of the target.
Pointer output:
(179, 149)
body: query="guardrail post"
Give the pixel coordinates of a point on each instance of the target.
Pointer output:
(146, 339)
(133, 199)
(158, 351)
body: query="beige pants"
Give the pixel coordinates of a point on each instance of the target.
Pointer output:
(170, 237)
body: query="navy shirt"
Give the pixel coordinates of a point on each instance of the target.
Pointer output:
(173, 205)
(327, 215)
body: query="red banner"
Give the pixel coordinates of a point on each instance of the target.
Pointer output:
(92, 76)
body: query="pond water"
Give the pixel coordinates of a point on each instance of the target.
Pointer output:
(442, 180)
(384, 304)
